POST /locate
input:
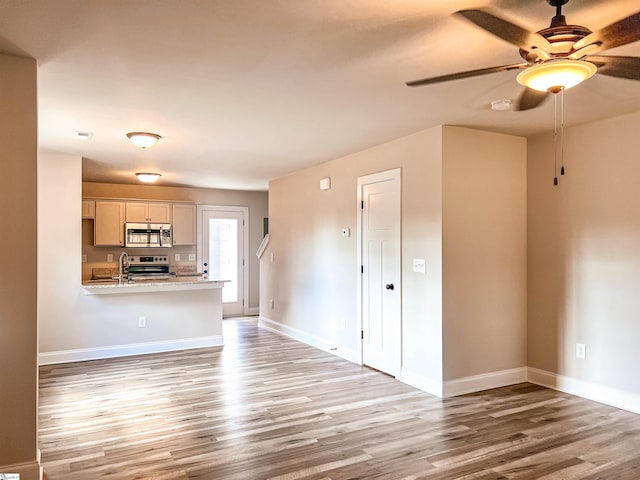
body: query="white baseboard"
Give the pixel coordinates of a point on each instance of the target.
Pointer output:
(432, 387)
(27, 471)
(79, 355)
(462, 386)
(581, 388)
(484, 381)
(476, 383)
(309, 339)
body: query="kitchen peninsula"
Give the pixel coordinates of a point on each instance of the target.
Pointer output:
(143, 317)
(149, 286)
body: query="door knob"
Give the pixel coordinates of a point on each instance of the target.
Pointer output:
(389, 286)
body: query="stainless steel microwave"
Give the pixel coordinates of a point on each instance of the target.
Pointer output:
(148, 235)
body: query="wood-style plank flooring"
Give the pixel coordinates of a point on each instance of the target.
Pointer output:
(267, 407)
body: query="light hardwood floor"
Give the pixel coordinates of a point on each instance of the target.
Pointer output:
(267, 407)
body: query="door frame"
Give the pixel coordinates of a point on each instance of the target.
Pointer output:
(394, 174)
(200, 209)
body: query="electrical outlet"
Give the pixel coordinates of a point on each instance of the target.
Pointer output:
(176, 257)
(110, 257)
(192, 257)
(142, 322)
(581, 350)
(84, 258)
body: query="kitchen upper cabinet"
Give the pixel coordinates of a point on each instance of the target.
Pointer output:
(184, 224)
(109, 223)
(88, 209)
(143, 212)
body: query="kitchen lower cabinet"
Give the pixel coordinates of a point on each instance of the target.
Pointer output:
(184, 224)
(109, 224)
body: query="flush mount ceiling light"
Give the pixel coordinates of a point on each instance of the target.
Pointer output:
(555, 75)
(143, 139)
(148, 177)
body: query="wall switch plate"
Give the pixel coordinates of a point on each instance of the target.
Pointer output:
(346, 232)
(110, 257)
(271, 257)
(84, 258)
(419, 265)
(272, 303)
(581, 350)
(176, 257)
(192, 257)
(142, 322)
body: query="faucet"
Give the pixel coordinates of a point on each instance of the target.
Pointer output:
(123, 255)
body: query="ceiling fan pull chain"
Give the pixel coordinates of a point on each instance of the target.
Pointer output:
(555, 139)
(562, 132)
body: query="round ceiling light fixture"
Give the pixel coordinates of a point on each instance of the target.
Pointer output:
(143, 139)
(555, 75)
(148, 177)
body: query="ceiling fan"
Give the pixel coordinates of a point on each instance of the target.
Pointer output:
(556, 57)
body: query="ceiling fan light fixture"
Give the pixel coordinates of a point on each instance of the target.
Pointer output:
(143, 139)
(554, 75)
(148, 177)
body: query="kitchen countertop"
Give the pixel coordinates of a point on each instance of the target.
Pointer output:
(109, 287)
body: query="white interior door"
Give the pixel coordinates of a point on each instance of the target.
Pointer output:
(222, 253)
(380, 222)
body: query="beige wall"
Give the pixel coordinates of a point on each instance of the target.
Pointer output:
(256, 201)
(584, 254)
(464, 201)
(484, 251)
(18, 257)
(313, 278)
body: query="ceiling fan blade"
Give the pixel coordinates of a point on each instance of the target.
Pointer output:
(470, 73)
(623, 67)
(530, 98)
(506, 30)
(617, 34)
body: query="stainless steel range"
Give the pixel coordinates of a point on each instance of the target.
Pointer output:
(148, 267)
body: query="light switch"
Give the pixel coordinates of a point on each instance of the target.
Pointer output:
(192, 257)
(419, 265)
(110, 257)
(176, 257)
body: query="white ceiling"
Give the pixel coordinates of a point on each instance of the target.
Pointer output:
(243, 91)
